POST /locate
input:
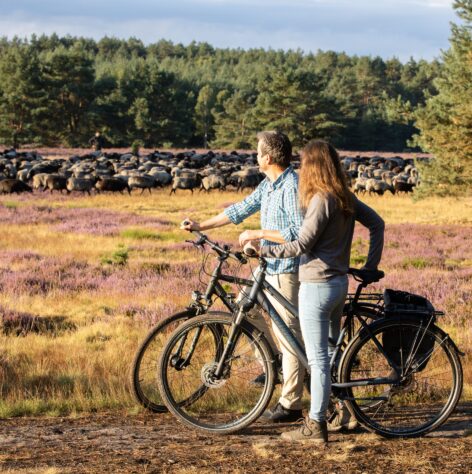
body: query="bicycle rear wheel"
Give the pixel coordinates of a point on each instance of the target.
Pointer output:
(144, 371)
(227, 403)
(428, 388)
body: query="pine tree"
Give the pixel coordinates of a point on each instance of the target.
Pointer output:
(233, 120)
(20, 95)
(203, 117)
(163, 109)
(445, 123)
(69, 78)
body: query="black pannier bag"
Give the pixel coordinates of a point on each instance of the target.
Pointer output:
(398, 343)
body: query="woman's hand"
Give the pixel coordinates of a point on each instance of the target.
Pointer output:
(249, 235)
(188, 224)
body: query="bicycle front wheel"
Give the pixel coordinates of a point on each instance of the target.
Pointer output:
(427, 389)
(144, 371)
(225, 403)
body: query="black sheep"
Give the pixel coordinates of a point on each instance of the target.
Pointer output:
(9, 186)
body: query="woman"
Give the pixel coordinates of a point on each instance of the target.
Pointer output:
(324, 244)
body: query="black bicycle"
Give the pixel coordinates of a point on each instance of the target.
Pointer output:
(400, 375)
(144, 371)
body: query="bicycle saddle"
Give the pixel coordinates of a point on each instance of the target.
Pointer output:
(366, 276)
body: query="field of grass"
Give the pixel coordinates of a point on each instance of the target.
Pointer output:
(83, 278)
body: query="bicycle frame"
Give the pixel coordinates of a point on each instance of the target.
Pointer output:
(259, 289)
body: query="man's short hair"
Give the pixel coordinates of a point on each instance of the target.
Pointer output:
(277, 145)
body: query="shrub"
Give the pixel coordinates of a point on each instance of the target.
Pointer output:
(119, 257)
(136, 146)
(416, 262)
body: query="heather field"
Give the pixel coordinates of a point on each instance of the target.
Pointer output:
(82, 279)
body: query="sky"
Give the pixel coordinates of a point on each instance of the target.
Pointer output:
(387, 28)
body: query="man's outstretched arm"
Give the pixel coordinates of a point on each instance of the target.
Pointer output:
(217, 221)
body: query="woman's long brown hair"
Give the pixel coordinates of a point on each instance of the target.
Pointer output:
(321, 172)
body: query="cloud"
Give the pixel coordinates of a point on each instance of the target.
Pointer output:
(403, 28)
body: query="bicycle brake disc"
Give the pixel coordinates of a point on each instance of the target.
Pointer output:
(208, 376)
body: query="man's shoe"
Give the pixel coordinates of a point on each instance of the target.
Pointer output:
(311, 431)
(342, 421)
(279, 414)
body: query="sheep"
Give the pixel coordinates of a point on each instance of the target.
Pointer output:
(246, 178)
(414, 177)
(388, 176)
(9, 171)
(112, 184)
(214, 181)
(142, 182)
(359, 185)
(10, 185)
(377, 173)
(182, 182)
(162, 177)
(378, 187)
(403, 187)
(39, 181)
(22, 175)
(80, 184)
(44, 167)
(56, 182)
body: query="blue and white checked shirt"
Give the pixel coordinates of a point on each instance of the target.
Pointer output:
(278, 203)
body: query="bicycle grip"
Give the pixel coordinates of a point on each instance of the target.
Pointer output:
(250, 250)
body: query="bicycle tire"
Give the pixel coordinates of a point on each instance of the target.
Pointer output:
(231, 402)
(144, 369)
(422, 399)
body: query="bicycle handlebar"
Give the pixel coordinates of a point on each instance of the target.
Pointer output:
(365, 276)
(250, 251)
(222, 251)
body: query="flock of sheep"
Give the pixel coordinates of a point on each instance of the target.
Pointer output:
(115, 172)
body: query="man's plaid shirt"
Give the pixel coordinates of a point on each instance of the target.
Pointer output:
(278, 203)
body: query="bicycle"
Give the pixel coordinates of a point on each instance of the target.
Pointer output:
(143, 375)
(205, 382)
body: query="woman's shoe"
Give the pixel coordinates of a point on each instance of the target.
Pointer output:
(311, 431)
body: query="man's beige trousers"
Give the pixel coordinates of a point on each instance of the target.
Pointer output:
(286, 284)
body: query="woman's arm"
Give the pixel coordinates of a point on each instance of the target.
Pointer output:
(370, 219)
(314, 224)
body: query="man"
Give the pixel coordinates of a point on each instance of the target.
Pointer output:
(96, 142)
(277, 200)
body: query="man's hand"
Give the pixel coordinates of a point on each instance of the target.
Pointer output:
(249, 235)
(189, 225)
(252, 248)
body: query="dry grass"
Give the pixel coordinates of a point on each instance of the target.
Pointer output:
(401, 209)
(47, 470)
(265, 451)
(85, 367)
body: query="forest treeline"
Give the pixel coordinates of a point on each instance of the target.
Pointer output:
(60, 90)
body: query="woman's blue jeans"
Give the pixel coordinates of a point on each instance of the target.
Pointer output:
(320, 308)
